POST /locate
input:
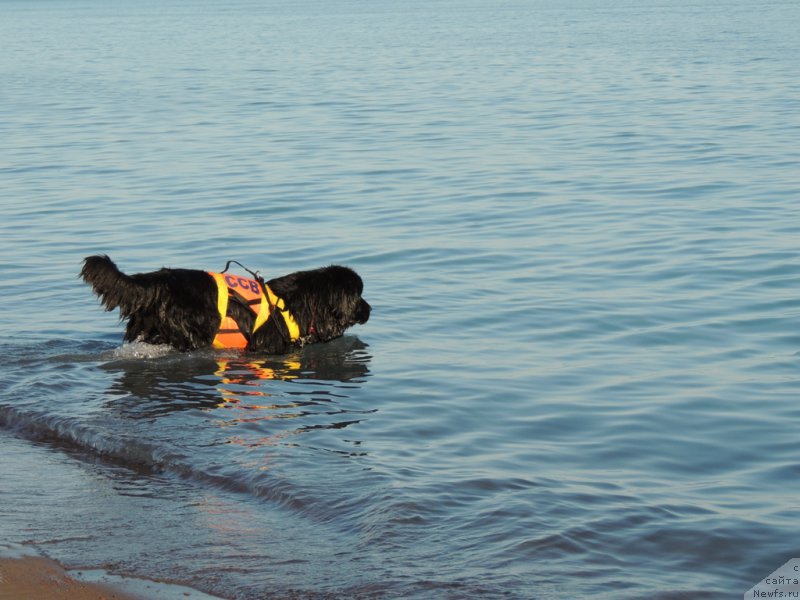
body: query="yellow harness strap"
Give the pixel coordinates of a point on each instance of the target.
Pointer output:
(291, 324)
(223, 291)
(222, 295)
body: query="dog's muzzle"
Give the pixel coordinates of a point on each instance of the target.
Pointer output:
(363, 311)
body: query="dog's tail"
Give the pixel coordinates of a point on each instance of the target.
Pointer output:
(115, 288)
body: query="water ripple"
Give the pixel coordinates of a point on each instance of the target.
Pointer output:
(577, 226)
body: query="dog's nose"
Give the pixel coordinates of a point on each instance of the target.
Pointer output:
(363, 311)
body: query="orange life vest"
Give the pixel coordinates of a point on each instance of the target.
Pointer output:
(250, 293)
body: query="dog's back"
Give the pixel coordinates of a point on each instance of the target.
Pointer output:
(169, 306)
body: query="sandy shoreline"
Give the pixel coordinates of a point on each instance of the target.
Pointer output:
(39, 578)
(36, 578)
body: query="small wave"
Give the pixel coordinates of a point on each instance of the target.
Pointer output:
(93, 440)
(70, 433)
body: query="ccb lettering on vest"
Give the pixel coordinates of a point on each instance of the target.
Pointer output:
(234, 282)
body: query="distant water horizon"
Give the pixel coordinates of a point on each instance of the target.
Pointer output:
(578, 229)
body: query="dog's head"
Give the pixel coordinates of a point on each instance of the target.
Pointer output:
(343, 295)
(329, 297)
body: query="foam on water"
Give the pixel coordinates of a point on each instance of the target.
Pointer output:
(17, 551)
(136, 350)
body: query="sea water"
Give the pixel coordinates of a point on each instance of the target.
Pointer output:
(578, 224)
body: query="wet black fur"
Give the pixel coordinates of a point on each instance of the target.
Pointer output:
(179, 306)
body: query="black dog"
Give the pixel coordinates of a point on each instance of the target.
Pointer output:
(190, 309)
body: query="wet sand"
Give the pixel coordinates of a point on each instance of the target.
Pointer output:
(36, 578)
(26, 577)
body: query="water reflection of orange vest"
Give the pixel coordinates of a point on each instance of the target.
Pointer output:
(234, 375)
(249, 293)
